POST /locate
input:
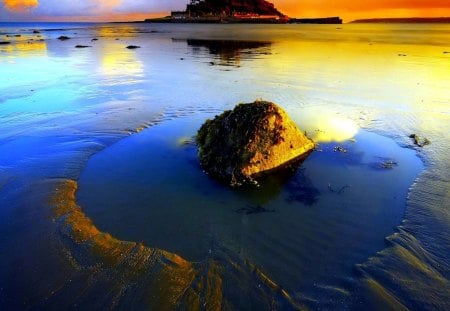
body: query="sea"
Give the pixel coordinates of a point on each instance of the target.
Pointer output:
(104, 205)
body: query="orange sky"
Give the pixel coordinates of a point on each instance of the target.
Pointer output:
(19, 5)
(105, 10)
(354, 9)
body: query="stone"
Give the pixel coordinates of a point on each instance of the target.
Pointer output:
(420, 141)
(250, 141)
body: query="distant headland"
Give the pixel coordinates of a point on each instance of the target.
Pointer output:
(236, 11)
(411, 20)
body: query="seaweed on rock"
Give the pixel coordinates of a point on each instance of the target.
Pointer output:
(249, 141)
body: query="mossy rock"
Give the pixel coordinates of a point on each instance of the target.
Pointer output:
(251, 140)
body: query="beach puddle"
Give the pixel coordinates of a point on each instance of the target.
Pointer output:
(309, 225)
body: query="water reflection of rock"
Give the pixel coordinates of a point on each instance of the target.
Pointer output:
(230, 52)
(290, 177)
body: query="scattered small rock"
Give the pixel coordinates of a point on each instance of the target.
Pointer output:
(446, 52)
(62, 38)
(94, 39)
(82, 46)
(132, 47)
(383, 164)
(181, 58)
(4, 42)
(211, 63)
(420, 141)
(340, 191)
(36, 31)
(388, 164)
(400, 54)
(17, 36)
(254, 209)
(340, 149)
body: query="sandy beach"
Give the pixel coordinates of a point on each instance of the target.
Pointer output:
(104, 203)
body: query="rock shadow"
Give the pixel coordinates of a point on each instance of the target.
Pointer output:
(302, 190)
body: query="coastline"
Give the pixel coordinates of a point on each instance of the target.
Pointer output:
(232, 20)
(405, 20)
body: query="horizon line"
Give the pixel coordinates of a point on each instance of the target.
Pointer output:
(136, 21)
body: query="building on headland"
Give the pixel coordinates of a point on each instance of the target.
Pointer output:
(179, 15)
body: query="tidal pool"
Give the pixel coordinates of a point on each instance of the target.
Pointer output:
(307, 226)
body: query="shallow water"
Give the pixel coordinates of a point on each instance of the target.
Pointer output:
(334, 211)
(318, 238)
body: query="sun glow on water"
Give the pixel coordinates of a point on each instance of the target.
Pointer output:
(324, 126)
(335, 129)
(120, 62)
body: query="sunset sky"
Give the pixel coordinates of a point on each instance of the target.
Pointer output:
(122, 10)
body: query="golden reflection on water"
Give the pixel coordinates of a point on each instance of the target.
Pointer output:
(116, 60)
(118, 31)
(406, 73)
(25, 47)
(396, 78)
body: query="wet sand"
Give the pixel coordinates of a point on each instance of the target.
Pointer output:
(54, 121)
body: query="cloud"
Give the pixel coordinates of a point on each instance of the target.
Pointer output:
(114, 9)
(149, 6)
(20, 5)
(75, 8)
(67, 8)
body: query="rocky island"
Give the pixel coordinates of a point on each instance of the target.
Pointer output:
(235, 11)
(249, 141)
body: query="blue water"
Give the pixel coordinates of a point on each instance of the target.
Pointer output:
(333, 212)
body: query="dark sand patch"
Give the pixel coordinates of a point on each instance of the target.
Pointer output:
(158, 279)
